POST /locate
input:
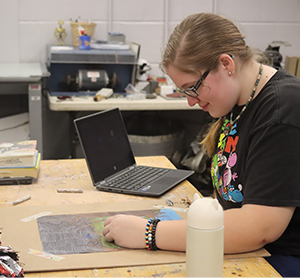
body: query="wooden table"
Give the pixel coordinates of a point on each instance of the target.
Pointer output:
(56, 174)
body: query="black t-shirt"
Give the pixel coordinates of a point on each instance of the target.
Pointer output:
(257, 162)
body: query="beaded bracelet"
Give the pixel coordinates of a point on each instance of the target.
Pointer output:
(150, 234)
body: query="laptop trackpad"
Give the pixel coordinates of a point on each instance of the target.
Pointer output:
(163, 184)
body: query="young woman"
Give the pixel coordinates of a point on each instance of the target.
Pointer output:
(254, 143)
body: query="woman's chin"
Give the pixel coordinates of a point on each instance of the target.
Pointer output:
(214, 114)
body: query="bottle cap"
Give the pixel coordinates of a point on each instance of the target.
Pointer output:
(205, 214)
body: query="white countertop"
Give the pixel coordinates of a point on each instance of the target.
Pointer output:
(86, 103)
(18, 72)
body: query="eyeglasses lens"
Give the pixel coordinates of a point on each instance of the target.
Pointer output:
(192, 92)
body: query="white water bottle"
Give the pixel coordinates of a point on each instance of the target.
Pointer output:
(205, 238)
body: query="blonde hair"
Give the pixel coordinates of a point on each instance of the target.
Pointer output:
(197, 43)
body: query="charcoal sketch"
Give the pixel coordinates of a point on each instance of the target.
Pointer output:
(82, 233)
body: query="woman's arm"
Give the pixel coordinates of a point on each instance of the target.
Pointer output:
(246, 229)
(253, 226)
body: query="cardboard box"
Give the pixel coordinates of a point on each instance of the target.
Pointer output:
(292, 65)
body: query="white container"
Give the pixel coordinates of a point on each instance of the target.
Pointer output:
(205, 238)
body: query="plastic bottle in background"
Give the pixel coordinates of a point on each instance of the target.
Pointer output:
(205, 238)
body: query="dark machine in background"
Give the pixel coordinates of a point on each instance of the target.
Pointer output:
(273, 54)
(75, 72)
(92, 80)
(84, 72)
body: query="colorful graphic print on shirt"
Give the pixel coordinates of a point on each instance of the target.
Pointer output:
(222, 166)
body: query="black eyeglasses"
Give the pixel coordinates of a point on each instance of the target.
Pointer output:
(192, 92)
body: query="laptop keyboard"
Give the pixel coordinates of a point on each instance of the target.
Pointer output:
(136, 178)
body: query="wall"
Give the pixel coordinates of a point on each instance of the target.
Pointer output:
(27, 26)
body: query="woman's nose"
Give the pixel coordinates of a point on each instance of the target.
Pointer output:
(191, 100)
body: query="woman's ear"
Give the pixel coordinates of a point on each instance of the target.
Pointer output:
(227, 63)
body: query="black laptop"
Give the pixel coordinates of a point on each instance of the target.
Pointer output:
(111, 162)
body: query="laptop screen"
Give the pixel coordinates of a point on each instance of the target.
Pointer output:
(105, 143)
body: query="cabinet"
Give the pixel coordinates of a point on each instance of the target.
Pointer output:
(19, 79)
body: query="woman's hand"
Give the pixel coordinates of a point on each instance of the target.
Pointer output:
(125, 230)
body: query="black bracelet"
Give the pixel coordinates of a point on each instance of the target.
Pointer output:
(150, 234)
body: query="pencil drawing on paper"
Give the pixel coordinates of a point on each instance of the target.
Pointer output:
(82, 233)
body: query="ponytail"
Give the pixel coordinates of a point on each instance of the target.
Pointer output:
(210, 141)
